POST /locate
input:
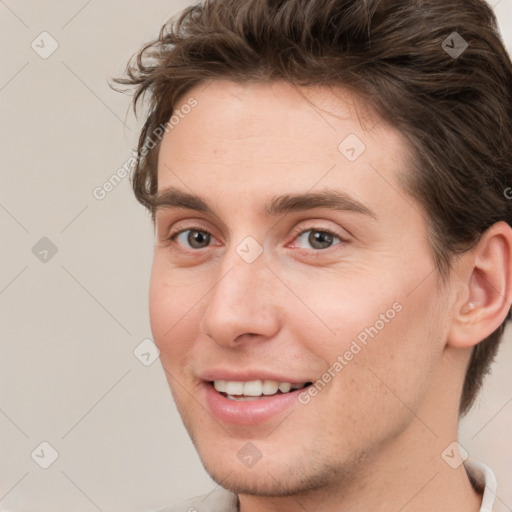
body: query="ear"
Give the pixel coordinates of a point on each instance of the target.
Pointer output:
(484, 276)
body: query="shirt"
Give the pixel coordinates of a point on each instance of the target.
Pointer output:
(220, 500)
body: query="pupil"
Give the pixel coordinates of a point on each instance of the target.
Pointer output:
(198, 238)
(320, 239)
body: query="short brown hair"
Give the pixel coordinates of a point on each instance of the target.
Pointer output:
(406, 57)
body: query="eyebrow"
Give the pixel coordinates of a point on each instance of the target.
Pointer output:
(278, 205)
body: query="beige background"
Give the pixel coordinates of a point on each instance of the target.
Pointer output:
(69, 326)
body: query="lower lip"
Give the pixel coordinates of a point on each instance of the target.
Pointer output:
(248, 412)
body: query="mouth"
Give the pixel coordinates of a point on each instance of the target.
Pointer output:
(245, 391)
(250, 397)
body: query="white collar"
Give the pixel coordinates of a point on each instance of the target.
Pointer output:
(482, 478)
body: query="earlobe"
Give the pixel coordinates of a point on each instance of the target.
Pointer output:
(486, 272)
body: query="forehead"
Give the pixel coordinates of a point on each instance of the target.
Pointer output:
(244, 138)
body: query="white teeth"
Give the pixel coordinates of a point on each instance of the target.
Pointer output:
(252, 388)
(284, 387)
(237, 390)
(270, 387)
(242, 398)
(220, 385)
(234, 388)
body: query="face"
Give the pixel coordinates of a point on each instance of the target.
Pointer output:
(292, 295)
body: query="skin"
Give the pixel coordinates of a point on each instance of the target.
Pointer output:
(372, 438)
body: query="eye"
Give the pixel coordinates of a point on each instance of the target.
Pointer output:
(195, 238)
(318, 239)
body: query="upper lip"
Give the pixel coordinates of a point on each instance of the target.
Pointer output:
(248, 375)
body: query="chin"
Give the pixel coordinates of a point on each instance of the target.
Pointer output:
(261, 482)
(276, 474)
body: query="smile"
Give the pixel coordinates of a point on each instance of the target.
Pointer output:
(254, 389)
(251, 402)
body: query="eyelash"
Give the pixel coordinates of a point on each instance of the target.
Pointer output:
(300, 231)
(296, 233)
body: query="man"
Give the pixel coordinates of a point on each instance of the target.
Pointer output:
(333, 262)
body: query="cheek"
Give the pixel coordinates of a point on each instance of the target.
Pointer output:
(394, 349)
(389, 325)
(172, 311)
(161, 300)
(347, 307)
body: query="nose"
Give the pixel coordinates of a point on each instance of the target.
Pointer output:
(243, 304)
